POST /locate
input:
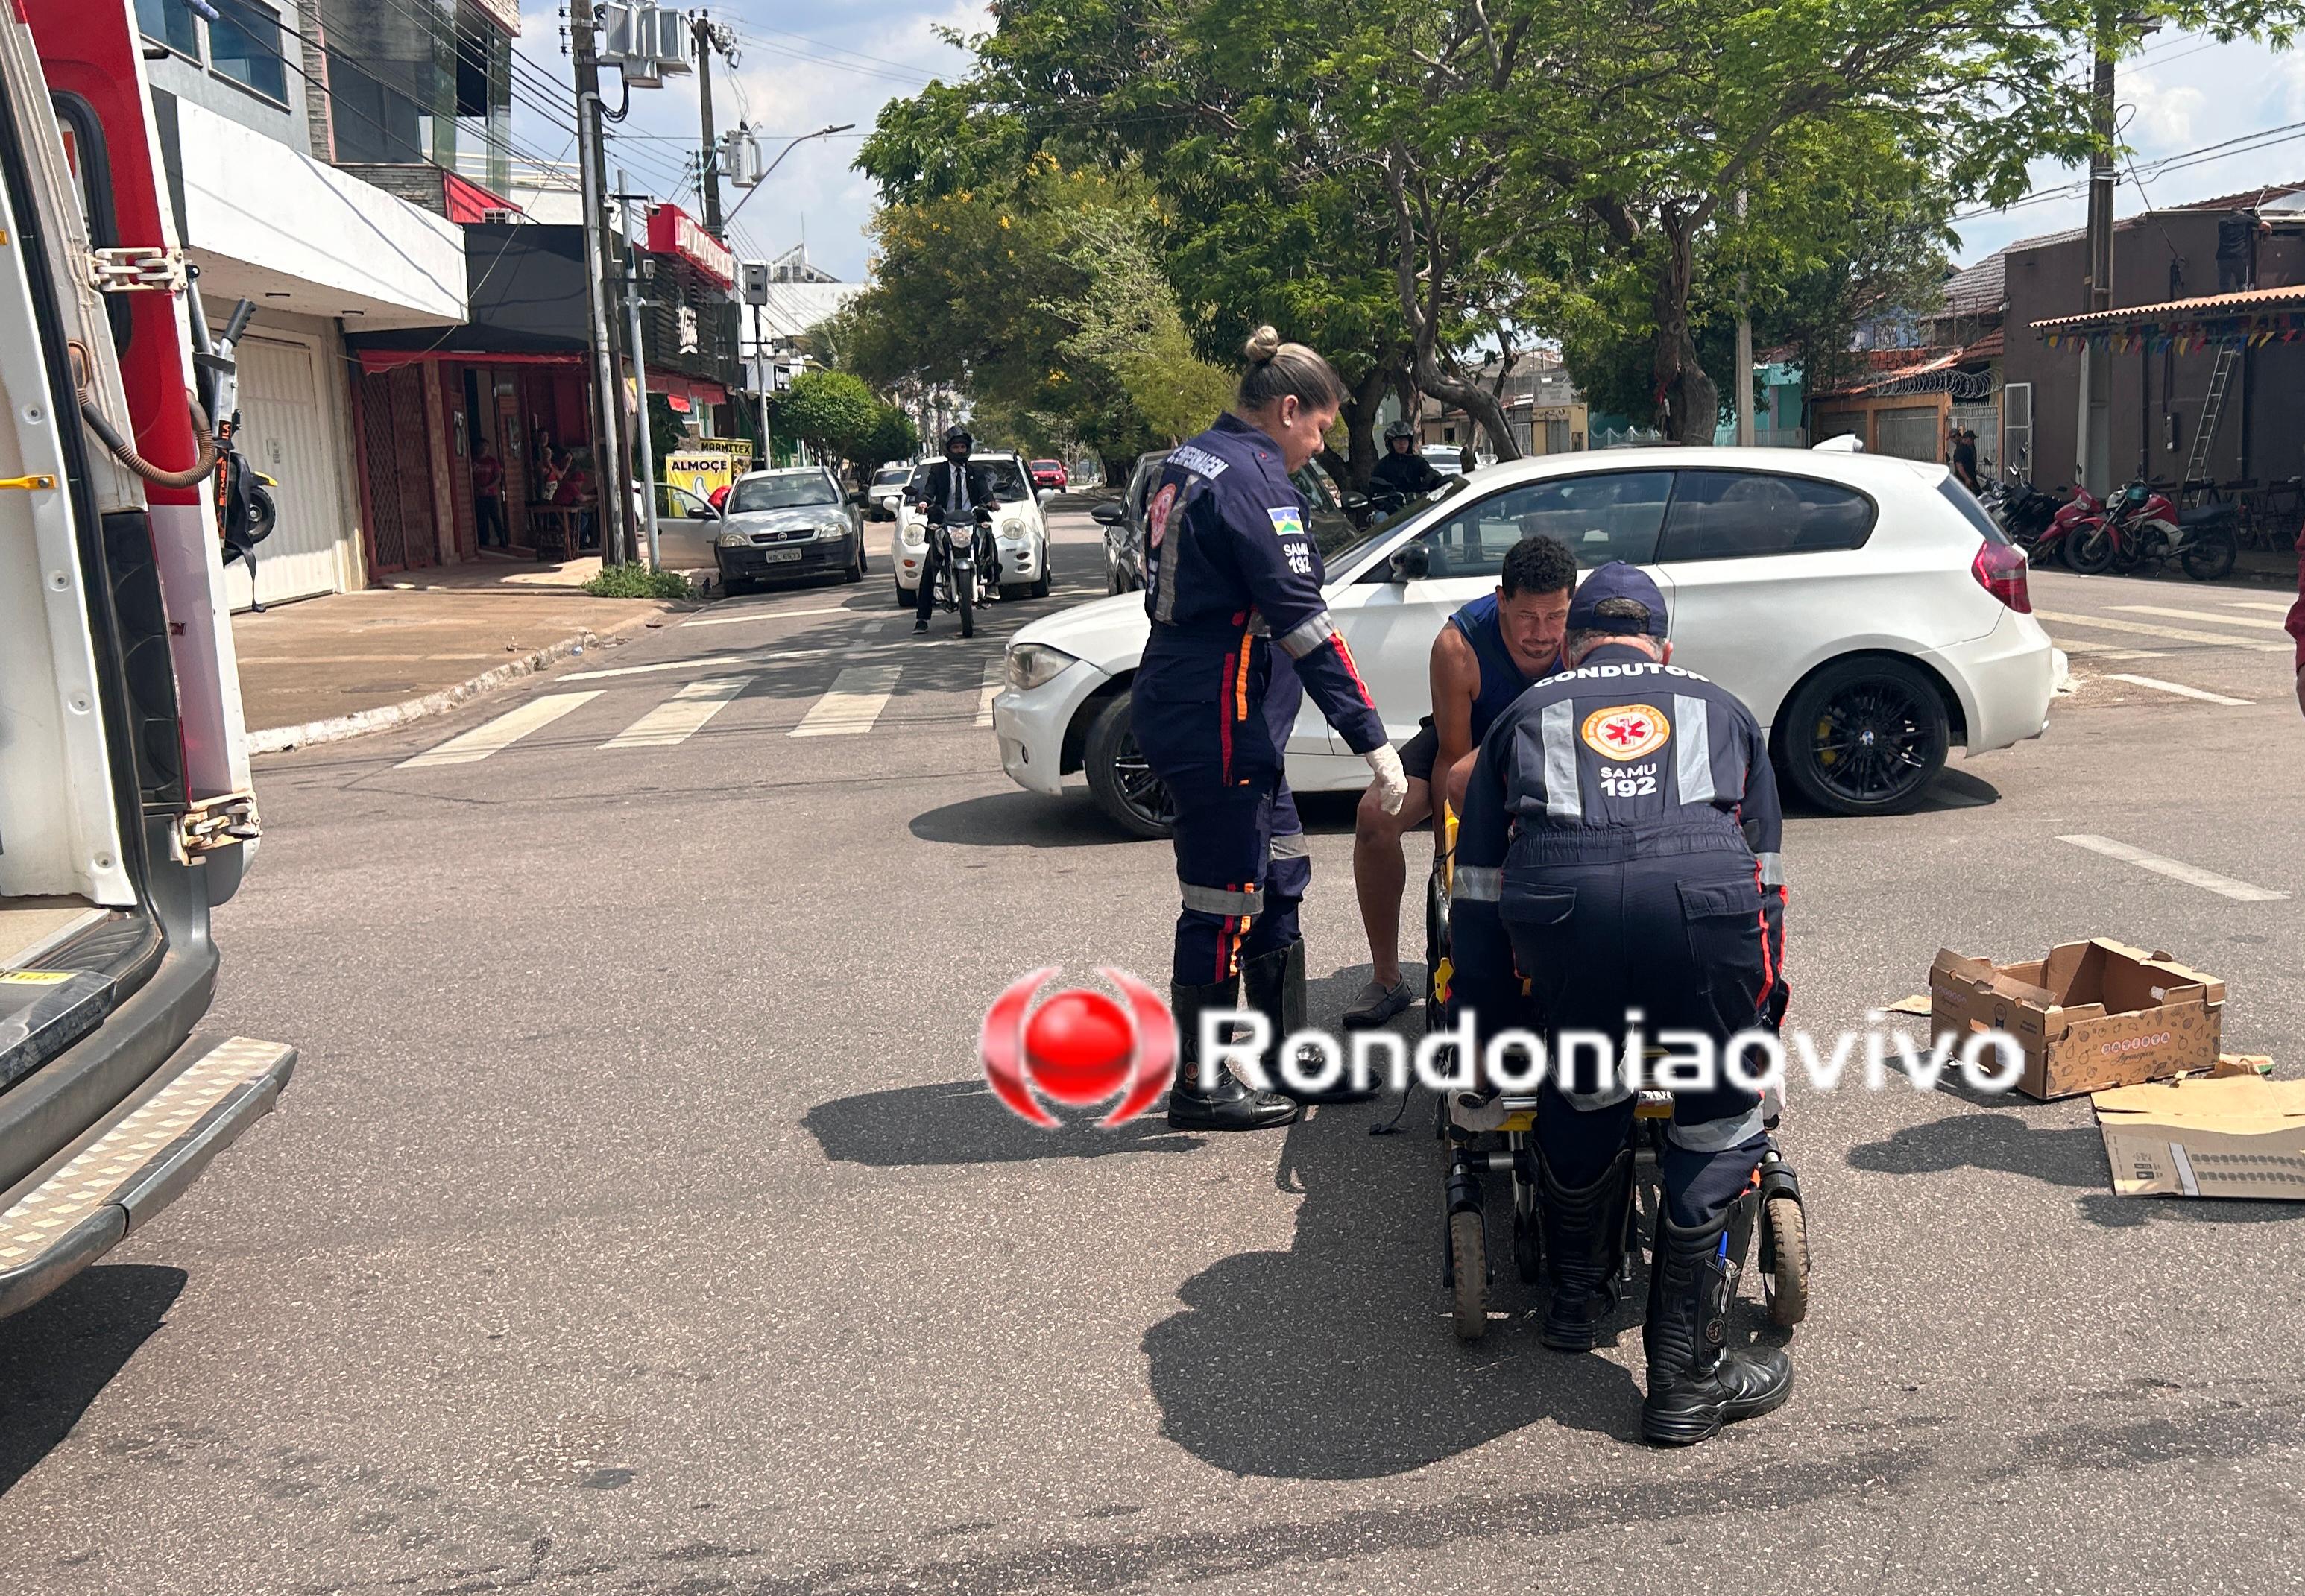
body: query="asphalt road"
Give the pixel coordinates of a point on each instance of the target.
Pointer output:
(637, 1222)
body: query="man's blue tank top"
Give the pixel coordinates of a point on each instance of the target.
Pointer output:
(1501, 681)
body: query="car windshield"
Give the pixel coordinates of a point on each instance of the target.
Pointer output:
(889, 476)
(786, 491)
(1377, 533)
(1007, 480)
(1047, 466)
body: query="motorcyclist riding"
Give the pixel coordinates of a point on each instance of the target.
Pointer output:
(1403, 470)
(954, 492)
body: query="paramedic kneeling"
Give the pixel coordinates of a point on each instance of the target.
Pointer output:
(1618, 846)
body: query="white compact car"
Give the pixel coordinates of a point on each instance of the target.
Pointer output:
(1866, 609)
(1020, 533)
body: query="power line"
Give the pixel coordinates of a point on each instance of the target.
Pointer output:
(2160, 165)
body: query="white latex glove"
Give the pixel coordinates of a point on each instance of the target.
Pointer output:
(1391, 780)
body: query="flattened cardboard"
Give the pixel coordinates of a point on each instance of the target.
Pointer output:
(2234, 1133)
(2092, 1016)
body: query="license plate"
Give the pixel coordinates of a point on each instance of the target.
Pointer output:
(780, 554)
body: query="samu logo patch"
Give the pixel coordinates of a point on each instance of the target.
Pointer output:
(1626, 730)
(1286, 524)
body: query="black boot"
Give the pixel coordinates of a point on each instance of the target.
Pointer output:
(1274, 984)
(1584, 1230)
(1227, 1105)
(1696, 1385)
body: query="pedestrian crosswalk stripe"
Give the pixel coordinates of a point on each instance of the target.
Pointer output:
(704, 662)
(2179, 688)
(2210, 616)
(996, 676)
(2146, 629)
(2176, 869)
(853, 703)
(682, 716)
(2278, 609)
(2106, 651)
(503, 732)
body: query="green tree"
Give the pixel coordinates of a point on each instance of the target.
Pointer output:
(832, 409)
(893, 437)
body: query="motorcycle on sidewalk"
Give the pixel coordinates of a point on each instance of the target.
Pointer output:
(2142, 529)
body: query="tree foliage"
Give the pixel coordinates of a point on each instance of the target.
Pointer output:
(832, 409)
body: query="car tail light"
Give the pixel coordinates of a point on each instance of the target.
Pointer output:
(2000, 570)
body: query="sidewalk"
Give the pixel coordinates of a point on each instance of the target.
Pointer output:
(331, 667)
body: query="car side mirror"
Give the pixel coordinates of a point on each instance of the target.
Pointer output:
(1354, 503)
(1411, 563)
(1045, 495)
(1111, 513)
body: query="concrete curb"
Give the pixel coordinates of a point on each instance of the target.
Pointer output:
(338, 728)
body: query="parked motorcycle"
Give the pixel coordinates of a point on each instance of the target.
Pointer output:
(2082, 513)
(2143, 530)
(2023, 510)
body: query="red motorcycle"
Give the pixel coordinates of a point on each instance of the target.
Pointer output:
(2080, 513)
(2142, 530)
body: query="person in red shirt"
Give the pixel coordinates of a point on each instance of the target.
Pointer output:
(488, 498)
(575, 493)
(720, 497)
(2297, 621)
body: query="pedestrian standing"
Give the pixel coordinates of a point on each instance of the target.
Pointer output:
(488, 498)
(1241, 631)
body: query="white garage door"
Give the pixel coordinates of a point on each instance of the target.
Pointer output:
(285, 433)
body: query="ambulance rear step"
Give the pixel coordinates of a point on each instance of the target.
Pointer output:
(69, 1213)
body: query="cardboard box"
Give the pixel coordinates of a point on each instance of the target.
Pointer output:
(2234, 1133)
(2092, 1016)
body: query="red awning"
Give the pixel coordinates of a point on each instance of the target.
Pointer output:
(694, 389)
(469, 201)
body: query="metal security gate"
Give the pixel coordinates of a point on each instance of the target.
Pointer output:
(284, 433)
(396, 463)
(1982, 417)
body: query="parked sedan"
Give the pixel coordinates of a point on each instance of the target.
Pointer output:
(1865, 609)
(1123, 520)
(788, 523)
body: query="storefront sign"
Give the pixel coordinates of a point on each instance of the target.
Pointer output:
(699, 472)
(672, 231)
(687, 318)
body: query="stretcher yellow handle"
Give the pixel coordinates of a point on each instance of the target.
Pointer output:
(27, 484)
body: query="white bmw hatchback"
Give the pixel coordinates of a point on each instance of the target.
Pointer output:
(1866, 609)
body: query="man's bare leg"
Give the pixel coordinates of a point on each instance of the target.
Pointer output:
(1381, 874)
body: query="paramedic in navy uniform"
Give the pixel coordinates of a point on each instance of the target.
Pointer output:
(1619, 849)
(1241, 631)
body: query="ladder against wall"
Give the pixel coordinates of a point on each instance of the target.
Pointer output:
(2212, 411)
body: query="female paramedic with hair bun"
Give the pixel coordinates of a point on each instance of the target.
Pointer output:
(1240, 630)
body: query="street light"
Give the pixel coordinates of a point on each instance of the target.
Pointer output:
(822, 132)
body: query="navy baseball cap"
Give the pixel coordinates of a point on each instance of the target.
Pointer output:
(1617, 580)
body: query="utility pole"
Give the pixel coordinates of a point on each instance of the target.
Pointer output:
(1746, 436)
(609, 468)
(2093, 442)
(712, 39)
(647, 450)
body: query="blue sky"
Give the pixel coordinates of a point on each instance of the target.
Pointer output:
(805, 67)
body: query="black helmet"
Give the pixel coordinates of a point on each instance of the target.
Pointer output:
(1398, 430)
(958, 434)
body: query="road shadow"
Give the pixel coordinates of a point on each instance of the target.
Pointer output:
(2127, 1213)
(1335, 1360)
(1020, 819)
(1949, 789)
(57, 1355)
(961, 1122)
(1987, 1140)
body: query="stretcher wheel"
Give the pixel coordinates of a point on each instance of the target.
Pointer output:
(1529, 1248)
(1784, 1283)
(1469, 1269)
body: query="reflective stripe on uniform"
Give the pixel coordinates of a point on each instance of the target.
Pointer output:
(1692, 729)
(1288, 845)
(1773, 869)
(1217, 900)
(1477, 884)
(1716, 1135)
(1564, 797)
(1612, 1091)
(1308, 637)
